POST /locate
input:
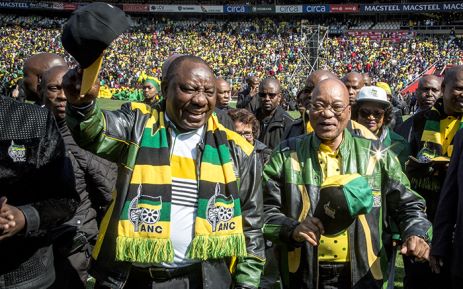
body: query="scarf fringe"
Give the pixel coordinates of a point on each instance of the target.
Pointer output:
(429, 184)
(144, 250)
(204, 247)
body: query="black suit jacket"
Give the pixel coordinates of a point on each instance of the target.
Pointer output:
(448, 223)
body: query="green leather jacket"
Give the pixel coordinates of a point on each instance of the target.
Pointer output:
(291, 182)
(115, 135)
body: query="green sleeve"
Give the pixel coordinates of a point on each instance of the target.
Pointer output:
(105, 133)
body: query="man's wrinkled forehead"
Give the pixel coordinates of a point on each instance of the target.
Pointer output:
(189, 69)
(330, 90)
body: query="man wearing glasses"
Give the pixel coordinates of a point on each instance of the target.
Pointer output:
(356, 257)
(302, 125)
(272, 117)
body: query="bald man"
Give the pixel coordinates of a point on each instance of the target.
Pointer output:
(273, 119)
(428, 91)
(292, 181)
(223, 93)
(354, 82)
(33, 69)
(366, 79)
(95, 178)
(431, 138)
(191, 138)
(302, 125)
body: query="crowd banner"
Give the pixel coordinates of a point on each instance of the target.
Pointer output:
(14, 5)
(394, 36)
(412, 7)
(212, 8)
(270, 9)
(344, 8)
(398, 8)
(156, 8)
(236, 9)
(189, 8)
(41, 6)
(70, 6)
(288, 9)
(316, 8)
(58, 5)
(135, 7)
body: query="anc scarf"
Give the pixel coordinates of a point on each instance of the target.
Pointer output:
(144, 225)
(435, 144)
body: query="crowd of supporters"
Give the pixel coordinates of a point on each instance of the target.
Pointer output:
(235, 48)
(349, 137)
(395, 62)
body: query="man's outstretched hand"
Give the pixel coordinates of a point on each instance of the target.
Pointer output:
(72, 81)
(416, 247)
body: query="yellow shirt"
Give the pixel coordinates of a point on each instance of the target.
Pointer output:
(332, 249)
(448, 128)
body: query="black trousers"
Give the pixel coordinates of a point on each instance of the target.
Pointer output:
(418, 275)
(457, 281)
(140, 278)
(334, 276)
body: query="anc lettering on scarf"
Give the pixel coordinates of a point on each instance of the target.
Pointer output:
(144, 225)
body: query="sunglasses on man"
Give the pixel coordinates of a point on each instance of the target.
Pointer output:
(270, 94)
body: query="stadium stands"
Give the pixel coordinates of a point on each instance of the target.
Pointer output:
(238, 47)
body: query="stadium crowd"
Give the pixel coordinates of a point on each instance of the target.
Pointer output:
(394, 61)
(236, 49)
(180, 190)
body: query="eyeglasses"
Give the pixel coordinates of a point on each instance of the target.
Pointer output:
(365, 113)
(337, 110)
(270, 95)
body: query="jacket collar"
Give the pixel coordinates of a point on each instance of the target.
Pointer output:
(344, 147)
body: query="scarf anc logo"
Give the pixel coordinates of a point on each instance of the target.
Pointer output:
(220, 211)
(144, 212)
(17, 152)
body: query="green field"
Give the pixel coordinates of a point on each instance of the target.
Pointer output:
(115, 104)
(110, 104)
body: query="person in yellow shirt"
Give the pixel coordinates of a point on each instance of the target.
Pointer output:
(354, 256)
(431, 138)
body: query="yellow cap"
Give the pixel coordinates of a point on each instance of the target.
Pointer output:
(90, 75)
(384, 86)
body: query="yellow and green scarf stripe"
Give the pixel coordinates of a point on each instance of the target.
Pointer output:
(144, 225)
(434, 141)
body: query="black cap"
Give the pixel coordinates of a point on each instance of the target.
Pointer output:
(342, 199)
(91, 29)
(332, 211)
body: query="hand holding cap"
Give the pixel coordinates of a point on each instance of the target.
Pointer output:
(88, 32)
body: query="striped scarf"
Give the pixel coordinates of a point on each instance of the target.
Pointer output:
(434, 147)
(144, 225)
(434, 142)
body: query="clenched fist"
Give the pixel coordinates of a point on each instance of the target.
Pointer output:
(72, 81)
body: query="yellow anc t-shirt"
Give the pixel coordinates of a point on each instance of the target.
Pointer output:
(332, 249)
(448, 128)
